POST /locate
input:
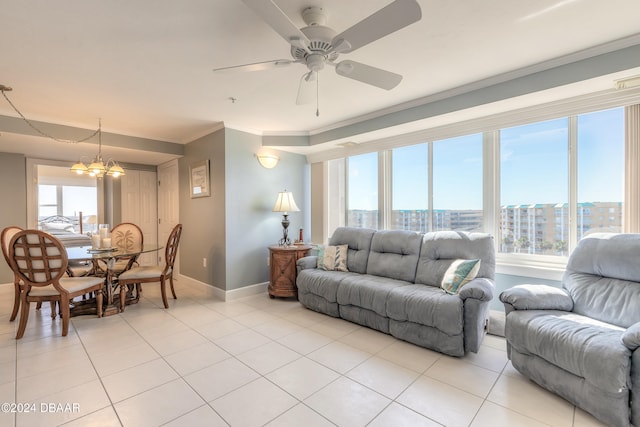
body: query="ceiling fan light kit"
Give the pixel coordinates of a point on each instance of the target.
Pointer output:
(317, 45)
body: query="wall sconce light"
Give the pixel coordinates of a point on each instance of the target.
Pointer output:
(268, 161)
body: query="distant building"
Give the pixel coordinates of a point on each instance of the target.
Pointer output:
(544, 228)
(541, 228)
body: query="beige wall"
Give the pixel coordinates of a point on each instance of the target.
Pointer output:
(318, 201)
(203, 219)
(13, 193)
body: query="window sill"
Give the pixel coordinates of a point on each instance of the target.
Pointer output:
(538, 267)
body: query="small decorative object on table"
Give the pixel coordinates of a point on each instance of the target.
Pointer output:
(105, 236)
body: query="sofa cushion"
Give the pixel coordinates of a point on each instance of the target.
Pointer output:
(321, 282)
(603, 278)
(580, 345)
(332, 257)
(359, 242)
(441, 248)
(459, 273)
(394, 254)
(427, 305)
(368, 292)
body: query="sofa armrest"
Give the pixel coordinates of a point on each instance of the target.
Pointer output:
(631, 337)
(537, 297)
(306, 262)
(478, 288)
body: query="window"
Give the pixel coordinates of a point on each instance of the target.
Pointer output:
(62, 193)
(362, 187)
(47, 200)
(457, 183)
(600, 171)
(534, 181)
(548, 184)
(410, 188)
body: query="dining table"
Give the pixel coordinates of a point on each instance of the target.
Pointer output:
(108, 256)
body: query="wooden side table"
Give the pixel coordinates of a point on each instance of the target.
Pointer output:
(282, 275)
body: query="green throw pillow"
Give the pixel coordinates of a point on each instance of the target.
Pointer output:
(459, 273)
(333, 257)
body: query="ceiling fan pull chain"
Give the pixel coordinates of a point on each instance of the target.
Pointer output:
(317, 95)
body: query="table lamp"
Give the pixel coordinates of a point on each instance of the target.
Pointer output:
(285, 204)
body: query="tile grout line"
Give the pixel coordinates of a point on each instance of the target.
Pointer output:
(99, 379)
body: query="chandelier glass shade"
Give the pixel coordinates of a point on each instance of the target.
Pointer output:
(98, 168)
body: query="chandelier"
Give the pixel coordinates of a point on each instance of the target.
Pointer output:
(97, 168)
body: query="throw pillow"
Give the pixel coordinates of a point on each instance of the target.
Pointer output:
(333, 257)
(459, 273)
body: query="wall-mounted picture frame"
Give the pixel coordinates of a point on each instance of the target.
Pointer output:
(199, 179)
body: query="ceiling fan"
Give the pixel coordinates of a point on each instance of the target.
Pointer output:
(317, 45)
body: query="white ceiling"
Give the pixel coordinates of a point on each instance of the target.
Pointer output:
(145, 67)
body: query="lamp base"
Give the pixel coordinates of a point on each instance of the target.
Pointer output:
(285, 241)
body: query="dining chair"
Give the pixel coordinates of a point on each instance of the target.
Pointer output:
(153, 273)
(40, 262)
(127, 237)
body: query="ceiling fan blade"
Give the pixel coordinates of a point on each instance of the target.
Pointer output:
(368, 74)
(387, 20)
(257, 66)
(276, 19)
(306, 89)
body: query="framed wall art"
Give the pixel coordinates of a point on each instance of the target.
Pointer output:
(199, 179)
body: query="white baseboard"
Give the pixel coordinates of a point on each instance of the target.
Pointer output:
(218, 293)
(258, 288)
(230, 295)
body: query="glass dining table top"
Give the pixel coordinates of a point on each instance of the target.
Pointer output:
(80, 253)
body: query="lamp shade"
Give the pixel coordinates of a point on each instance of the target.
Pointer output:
(79, 168)
(115, 171)
(285, 202)
(97, 167)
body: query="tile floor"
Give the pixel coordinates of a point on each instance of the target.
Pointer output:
(254, 361)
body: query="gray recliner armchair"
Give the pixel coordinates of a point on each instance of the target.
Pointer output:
(582, 341)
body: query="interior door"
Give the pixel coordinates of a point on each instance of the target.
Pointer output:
(168, 204)
(140, 206)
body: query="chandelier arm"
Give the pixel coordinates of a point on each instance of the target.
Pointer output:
(46, 135)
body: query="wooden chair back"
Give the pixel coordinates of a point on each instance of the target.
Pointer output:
(38, 258)
(5, 238)
(171, 250)
(127, 237)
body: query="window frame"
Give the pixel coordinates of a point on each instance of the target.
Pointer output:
(536, 266)
(32, 189)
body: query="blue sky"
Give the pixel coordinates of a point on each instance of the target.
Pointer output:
(534, 167)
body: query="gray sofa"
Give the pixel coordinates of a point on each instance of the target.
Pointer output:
(582, 341)
(393, 285)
